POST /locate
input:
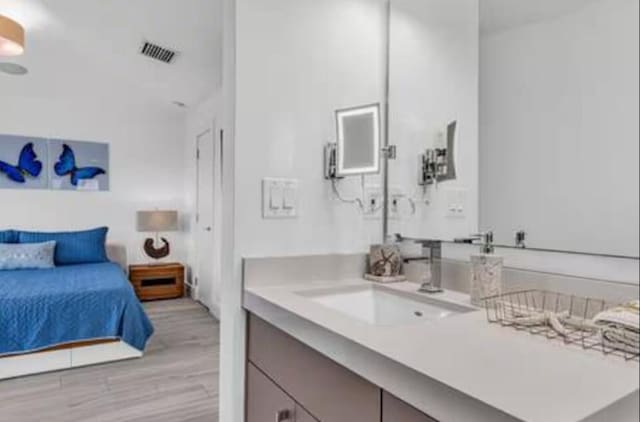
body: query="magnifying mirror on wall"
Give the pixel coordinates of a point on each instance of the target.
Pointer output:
(358, 144)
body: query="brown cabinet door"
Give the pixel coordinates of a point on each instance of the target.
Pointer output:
(394, 410)
(329, 391)
(303, 416)
(266, 402)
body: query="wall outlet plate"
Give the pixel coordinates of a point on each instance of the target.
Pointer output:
(373, 202)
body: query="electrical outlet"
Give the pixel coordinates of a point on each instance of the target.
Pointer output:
(394, 206)
(373, 202)
(397, 203)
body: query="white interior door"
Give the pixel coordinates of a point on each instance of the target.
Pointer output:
(208, 238)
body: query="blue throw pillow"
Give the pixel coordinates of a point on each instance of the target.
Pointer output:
(72, 248)
(8, 236)
(36, 256)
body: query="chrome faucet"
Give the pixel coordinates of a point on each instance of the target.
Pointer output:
(487, 246)
(432, 256)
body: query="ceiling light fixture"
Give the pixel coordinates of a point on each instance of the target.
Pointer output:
(11, 37)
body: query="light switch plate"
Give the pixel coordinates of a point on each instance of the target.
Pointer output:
(279, 198)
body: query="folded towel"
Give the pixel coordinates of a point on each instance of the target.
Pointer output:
(627, 316)
(621, 339)
(620, 327)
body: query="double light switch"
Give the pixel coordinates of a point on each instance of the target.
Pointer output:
(279, 198)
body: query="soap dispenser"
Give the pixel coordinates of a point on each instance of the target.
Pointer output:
(486, 271)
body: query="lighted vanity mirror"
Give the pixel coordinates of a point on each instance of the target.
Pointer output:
(358, 146)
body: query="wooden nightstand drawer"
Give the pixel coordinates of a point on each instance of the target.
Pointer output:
(153, 282)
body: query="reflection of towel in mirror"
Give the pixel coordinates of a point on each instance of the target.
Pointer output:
(621, 327)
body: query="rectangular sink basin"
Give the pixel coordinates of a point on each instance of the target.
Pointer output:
(385, 307)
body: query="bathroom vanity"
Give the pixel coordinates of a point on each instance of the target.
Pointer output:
(331, 347)
(291, 381)
(326, 345)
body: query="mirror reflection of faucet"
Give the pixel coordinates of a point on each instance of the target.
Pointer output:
(486, 269)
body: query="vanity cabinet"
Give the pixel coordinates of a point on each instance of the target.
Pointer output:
(325, 389)
(395, 410)
(303, 416)
(268, 401)
(288, 381)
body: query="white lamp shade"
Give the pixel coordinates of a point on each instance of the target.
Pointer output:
(157, 221)
(11, 37)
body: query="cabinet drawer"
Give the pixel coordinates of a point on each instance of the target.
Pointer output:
(395, 410)
(265, 400)
(303, 416)
(327, 390)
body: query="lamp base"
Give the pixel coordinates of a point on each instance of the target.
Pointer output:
(157, 253)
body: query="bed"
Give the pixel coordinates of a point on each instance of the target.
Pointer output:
(68, 316)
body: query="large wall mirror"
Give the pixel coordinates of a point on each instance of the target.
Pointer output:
(549, 143)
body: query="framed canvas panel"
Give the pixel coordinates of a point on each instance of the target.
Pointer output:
(23, 162)
(79, 166)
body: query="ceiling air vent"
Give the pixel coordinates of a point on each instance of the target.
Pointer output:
(156, 52)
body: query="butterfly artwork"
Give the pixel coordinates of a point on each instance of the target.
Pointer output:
(67, 166)
(28, 162)
(28, 166)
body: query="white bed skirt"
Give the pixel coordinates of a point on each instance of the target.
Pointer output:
(57, 360)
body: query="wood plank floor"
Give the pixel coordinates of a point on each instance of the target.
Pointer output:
(176, 381)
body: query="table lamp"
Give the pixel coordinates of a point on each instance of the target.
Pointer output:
(157, 222)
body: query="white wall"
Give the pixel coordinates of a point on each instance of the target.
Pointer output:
(434, 80)
(297, 62)
(559, 130)
(146, 168)
(294, 63)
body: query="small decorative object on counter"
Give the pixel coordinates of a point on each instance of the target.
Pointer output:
(385, 264)
(486, 271)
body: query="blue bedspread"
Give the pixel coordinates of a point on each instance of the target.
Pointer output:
(44, 308)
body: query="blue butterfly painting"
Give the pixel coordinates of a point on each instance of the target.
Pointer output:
(66, 166)
(28, 166)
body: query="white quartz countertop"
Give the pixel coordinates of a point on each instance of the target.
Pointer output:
(527, 377)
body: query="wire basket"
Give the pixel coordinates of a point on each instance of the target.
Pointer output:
(558, 317)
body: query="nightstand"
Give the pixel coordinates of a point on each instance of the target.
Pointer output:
(155, 282)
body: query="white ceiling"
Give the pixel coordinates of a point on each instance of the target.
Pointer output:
(89, 48)
(497, 15)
